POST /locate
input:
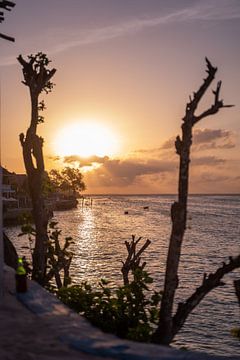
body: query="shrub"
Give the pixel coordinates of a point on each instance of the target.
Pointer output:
(129, 311)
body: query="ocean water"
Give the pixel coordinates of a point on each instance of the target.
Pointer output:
(99, 232)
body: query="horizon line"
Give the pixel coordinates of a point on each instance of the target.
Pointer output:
(159, 194)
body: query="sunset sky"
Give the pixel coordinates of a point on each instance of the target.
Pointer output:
(125, 70)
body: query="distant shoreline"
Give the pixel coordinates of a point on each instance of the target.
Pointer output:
(157, 194)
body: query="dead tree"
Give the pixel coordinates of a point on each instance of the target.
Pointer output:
(169, 324)
(6, 5)
(133, 259)
(38, 78)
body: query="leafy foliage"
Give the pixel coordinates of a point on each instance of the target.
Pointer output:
(39, 64)
(129, 311)
(41, 107)
(37, 76)
(58, 257)
(68, 179)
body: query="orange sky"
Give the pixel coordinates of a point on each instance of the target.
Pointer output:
(129, 69)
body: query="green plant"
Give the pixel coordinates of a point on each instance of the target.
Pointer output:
(129, 311)
(58, 257)
(68, 179)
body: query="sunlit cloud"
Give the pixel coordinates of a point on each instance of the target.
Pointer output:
(207, 177)
(205, 139)
(214, 138)
(207, 161)
(151, 171)
(85, 161)
(116, 172)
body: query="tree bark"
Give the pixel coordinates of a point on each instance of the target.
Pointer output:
(165, 331)
(133, 259)
(37, 78)
(209, 283)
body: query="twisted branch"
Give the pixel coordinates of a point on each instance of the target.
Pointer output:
(7, 5)
(209, 283)
(166, 331)
(134, 257)
(218, 104)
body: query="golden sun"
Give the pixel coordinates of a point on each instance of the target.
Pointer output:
(85, 139)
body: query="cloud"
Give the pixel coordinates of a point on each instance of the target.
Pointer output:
(207, 161)
(206, 135)
(116, 172)
(204, 139)
(210, 177)
(217, 10)
(85, 161)
(169, 144)
(54, 158)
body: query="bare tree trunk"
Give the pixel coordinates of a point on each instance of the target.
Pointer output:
(37, 78)
(165, 333)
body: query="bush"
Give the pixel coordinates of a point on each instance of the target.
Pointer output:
(129, 311)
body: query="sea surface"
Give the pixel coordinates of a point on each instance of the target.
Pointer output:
(99, 232)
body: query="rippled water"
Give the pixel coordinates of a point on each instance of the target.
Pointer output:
(212, 235)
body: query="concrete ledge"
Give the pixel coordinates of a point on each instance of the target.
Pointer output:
(78, 333)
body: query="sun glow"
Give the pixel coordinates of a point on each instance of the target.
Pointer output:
(85, 139)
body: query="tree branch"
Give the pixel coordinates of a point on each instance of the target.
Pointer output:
(209, 283)
(168, 326)
(6, 37)
(133, 259)
(218, 104)
(7, 5)
(197, 96)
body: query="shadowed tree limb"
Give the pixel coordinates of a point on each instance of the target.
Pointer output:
(218, 104)
(209, 283)
(164, 333)
(6, 5)
(37, 77)
(134, 257)
(6, 37)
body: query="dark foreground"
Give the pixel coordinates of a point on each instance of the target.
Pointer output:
(36, 326)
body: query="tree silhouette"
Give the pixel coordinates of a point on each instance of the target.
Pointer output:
(68, 179)
(169, 325)
(37, 77)
(6, 5)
